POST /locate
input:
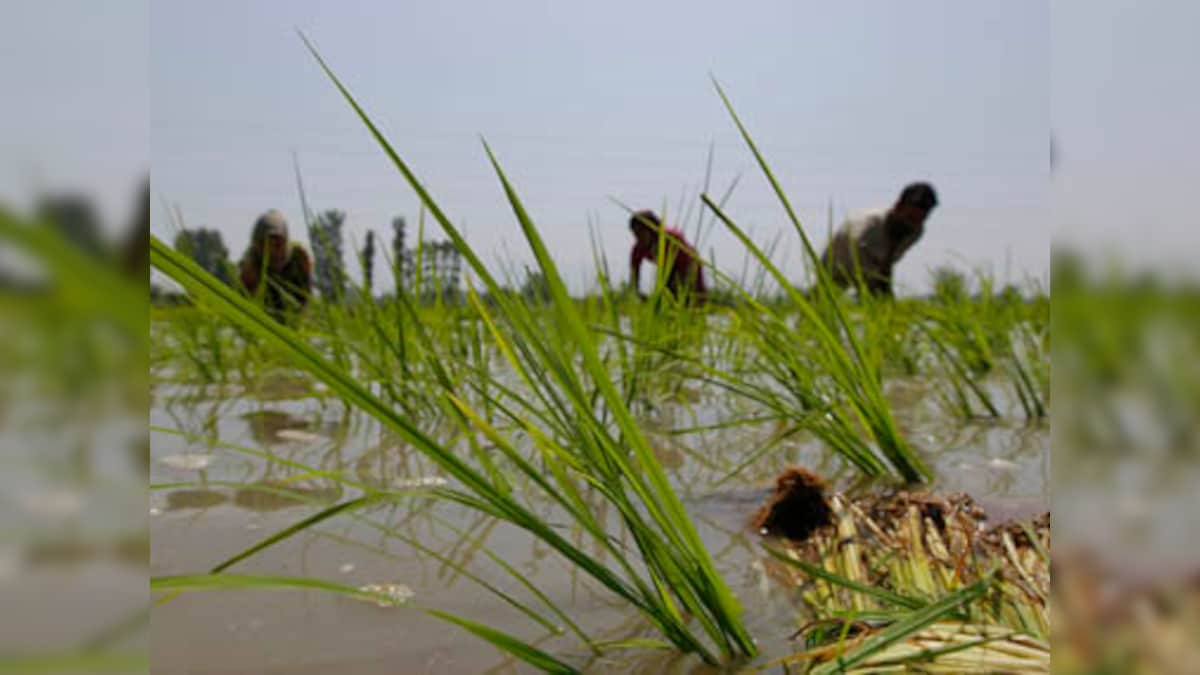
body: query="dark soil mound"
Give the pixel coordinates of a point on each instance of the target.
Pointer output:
(798, 508)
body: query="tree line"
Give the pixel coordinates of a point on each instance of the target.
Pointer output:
(429, 271)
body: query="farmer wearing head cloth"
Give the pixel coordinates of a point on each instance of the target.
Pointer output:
(872, 242)
(285, 266)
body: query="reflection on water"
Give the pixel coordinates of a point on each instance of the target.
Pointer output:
(276, 495)
(189, 499)
(188, 461)
(670, 457)
(391, 595)
(264, 496)
(133, 549)
(129, 549)
(60, 552)
(266, 425)
(297, 436)
(282, 387)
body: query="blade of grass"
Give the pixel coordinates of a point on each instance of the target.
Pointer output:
(260, 582)
(505, 642)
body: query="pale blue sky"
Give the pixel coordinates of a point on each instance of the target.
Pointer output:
(582, 101)
(73, 75)
(1125, 107)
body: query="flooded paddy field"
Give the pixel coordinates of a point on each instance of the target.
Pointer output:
(241, 463)
(367, 482)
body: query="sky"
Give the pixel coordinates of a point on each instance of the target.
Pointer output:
(74, 79)
(1124, 110)
(585, 103)
(848, 101)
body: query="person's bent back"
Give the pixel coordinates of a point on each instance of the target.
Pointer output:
(868, 245)
(685, 275)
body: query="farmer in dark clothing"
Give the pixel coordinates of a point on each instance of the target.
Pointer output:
(685, 277)
(872, 242)
(285, 266)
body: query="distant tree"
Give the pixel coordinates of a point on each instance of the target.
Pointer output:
(368, 261)
(207, 248)
(535, 290)
(162, 297)
(1010, 295)
(185, 243)
(441, 268)
(135, 249)
(431, 277)
(436, 265)
(1068, 272)
(326, 237)
(75, 217)
(399, 253)
(453, 270)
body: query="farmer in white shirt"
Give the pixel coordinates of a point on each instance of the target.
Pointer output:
(872, 242)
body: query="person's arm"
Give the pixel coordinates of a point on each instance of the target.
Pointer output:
(701, 288)
(635, 271)
(881, 282)
(833, 259)
(306, 278)
(900, 239)
(250, 274)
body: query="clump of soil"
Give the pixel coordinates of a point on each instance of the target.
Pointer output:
(797, 508)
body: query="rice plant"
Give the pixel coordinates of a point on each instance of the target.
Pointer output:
(856, 400)
(531, 399)
(679, 591)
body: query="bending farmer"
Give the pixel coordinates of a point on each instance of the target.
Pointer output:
(285, 267)
(871, 243)
(685, 274)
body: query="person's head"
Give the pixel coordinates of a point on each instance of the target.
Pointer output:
(645, 226)
(916, 201)
(270, 238)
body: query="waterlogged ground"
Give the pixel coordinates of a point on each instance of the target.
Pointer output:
(212, 501)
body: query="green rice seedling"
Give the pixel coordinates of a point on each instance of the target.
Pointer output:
(104, 660)
(984, 335)
(782, 370)
(1126, 357)
(678, 590)
(542, 403)
(899, 338)
(843, 359)
(199, 344)
(964, 389)
(1029, 372)
(955, 326)
(486, 497)
(75, 353)
(83, 286)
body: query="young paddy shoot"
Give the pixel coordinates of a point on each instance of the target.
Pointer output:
(565, 420)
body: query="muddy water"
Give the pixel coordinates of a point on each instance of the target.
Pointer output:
(222, 501)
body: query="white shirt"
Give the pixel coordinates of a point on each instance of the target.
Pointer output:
(867, 235)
